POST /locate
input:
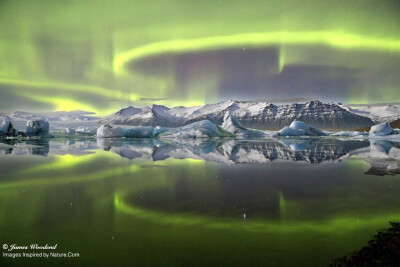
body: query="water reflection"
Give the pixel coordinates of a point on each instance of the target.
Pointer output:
(236, 152)
(383, 156)
(30, 147)
(283, 197)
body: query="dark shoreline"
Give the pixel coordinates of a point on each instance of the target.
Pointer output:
(382, 250)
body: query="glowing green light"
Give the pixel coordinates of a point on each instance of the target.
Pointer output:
(44, 49)
(65, 161)
(334, 39)
(336, 225)
(65, 86)
(69, 104)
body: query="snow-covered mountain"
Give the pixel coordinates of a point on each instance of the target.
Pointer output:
(262, 115)
(377, 113)
(155, 115)
(258, 115)
(121, 115)
(65, 116)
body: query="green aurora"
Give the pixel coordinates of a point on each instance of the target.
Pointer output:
(65, 198)
(103, 55)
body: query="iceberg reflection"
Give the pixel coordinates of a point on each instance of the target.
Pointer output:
(234, 151)
(382, 155)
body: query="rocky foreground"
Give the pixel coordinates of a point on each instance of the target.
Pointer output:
(382, 250)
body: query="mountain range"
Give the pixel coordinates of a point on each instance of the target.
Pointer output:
(250, 114)
(66, 116)
(377, 113)
(258, 115)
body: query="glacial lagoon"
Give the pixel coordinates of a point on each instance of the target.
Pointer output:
(198, 202)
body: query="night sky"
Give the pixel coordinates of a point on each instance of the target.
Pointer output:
(104, 55)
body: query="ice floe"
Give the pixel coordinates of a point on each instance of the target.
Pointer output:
(299, 128)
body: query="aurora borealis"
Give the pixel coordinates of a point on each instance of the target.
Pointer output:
(104, 55)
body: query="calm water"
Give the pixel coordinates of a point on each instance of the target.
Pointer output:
(275, 202)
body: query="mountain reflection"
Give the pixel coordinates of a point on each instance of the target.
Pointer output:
(236, 152)
(382, 155)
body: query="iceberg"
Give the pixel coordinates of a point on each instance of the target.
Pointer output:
(159, 130)
(200, 129)
(139, 132)
(299, 128)
(37, 128)
(379, 131)
(5, 125)
(232, 124)
(108, 131)
(143, 131)
(382, 129)
(7, 128)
